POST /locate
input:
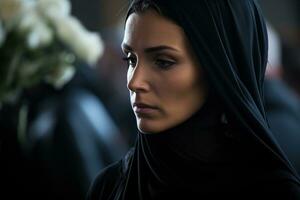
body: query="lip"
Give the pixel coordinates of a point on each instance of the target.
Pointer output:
(143, 108)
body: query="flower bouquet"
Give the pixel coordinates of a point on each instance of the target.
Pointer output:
(41, 41)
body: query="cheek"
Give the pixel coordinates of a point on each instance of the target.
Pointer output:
(184, 95)
(181, 87)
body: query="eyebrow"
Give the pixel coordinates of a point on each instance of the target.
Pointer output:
(149, 49)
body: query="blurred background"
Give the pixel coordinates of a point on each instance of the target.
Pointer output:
(75, 132)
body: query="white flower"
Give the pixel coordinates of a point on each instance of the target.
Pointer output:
(61, 76)
(2, 34)
(37, 31)
(88, 46)
(54, 8)
(11, 10)
(40, 36)
(57, 38)
(28, 21)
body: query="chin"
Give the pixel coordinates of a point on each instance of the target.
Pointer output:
(146, 126)
(147, 130)
(150, 128)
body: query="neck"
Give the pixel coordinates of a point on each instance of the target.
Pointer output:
(198, 138)
(176, 155)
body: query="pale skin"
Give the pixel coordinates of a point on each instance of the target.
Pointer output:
(164, 78)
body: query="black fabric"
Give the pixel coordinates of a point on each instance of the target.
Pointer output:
(283, 112)
(229, 38)
(196, 159)
(64, 145)
(110, 183)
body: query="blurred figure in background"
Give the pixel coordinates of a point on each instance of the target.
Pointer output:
(282, 103)
(106, 16)
(70, 136)
(291, 64)
(111, 71)
(111, 68)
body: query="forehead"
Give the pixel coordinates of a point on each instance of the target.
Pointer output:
(150, 29)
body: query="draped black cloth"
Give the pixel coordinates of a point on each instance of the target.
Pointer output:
(238, 156)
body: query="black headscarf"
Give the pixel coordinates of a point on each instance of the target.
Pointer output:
(229, 38)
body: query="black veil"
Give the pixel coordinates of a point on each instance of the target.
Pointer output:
(229, 37)
(230, 40)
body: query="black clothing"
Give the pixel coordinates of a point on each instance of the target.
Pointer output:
(70, 137)
(229, 38)
(198, 158)
(109, 183)
(283, 112)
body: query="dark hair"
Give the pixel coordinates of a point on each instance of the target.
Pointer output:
(140, 6)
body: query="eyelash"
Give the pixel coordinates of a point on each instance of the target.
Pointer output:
(161, 63)
(128, 60)
(164, 64)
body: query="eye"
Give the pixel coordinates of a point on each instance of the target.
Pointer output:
(130, 60)
(164, 64)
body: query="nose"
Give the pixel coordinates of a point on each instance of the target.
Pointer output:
(137, 79)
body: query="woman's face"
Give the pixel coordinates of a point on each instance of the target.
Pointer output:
(164, 78)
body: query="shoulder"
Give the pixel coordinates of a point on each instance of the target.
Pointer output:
(109, 178)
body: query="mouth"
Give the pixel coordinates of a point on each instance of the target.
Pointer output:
(143, 109)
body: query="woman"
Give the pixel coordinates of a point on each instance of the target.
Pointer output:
(195, 76)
